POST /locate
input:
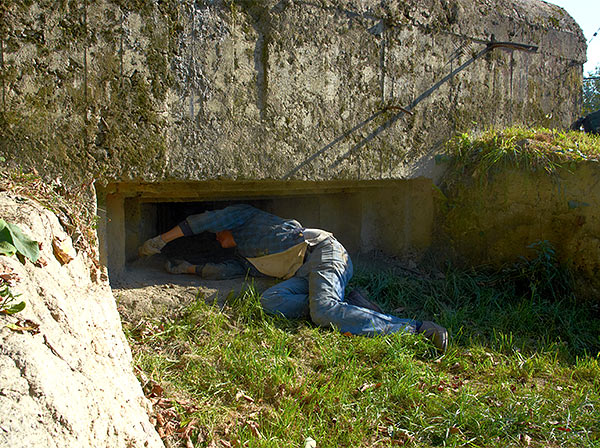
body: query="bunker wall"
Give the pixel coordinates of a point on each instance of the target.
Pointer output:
(497, 220)
(183, 90)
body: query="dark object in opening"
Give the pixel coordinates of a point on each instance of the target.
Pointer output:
(590, 123)
(195, 249)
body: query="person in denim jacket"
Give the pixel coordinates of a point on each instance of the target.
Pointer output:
(314, 267)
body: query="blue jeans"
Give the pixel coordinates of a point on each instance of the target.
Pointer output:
(317, 290)
(236, 267)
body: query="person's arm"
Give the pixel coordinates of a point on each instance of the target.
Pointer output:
(217, 220)
(172, 234)
(209, 221)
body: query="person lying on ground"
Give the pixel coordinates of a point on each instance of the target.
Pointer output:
(314, 266)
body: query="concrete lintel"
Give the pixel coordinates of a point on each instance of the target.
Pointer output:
(194, 191)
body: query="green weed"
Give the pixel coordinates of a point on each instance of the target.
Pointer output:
(13, 242)
(71, 205)
(522, 368)
(530, 149)
(8, 301)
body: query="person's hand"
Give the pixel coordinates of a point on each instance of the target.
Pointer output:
(151, 247)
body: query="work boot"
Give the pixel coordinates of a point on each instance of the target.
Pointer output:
(437, 334)
(178, 267)
(151, 247)
(357, 297)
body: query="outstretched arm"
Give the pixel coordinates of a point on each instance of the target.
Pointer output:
(218, 220)
(212, 221)
(154, 245)
(172, 234)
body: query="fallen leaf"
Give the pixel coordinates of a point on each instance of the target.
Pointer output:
(9, 278)
(63, 250)
(241, 394)
(565, 429)
(368, 386)
(254, 428)
(26, 325)
(41, 262)
(454, 430)
(156, 390)
(457, 385)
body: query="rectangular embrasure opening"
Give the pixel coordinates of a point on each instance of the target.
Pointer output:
(163, 216)
(392, 217)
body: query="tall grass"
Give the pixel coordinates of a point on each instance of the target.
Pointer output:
(522, 368)
(530, 149)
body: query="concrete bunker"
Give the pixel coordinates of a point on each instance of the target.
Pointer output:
(392, 217)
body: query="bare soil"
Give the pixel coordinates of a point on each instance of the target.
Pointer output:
(145, 290)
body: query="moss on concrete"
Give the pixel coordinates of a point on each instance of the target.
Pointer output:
(508, 189)
(99, 122)
(117, 89)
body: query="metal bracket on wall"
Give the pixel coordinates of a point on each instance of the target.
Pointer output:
(511, 46)
(490, 45)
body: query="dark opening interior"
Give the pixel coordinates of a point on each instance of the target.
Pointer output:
(200, 248)
(388, 216)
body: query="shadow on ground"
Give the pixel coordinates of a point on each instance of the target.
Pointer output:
(146, 290)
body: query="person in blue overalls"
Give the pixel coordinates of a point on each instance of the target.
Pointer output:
(314, 266)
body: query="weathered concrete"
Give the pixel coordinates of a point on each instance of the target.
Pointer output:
(494, 220)
(67, 381)
(268, 89)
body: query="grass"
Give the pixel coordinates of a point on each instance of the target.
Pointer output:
(531, 149)
(523, 368)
